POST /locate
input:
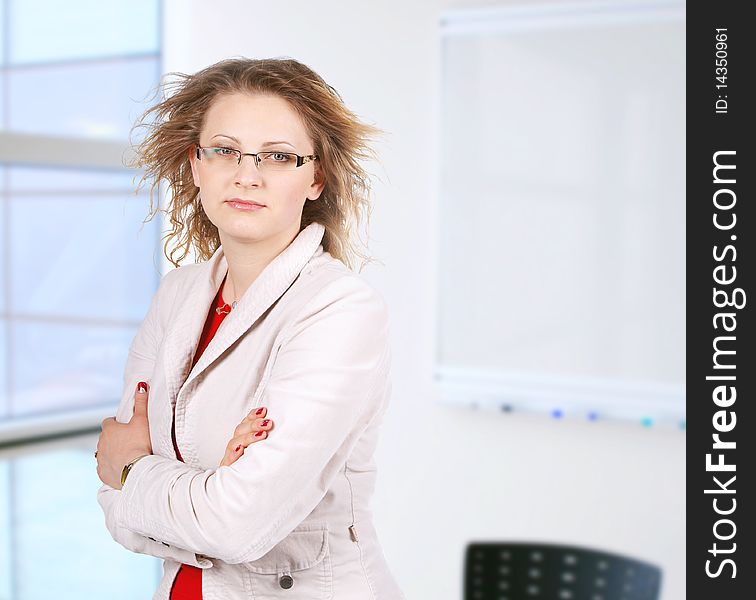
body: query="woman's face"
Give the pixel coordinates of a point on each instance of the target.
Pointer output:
(254, 120)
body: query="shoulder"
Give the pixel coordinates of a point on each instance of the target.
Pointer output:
(171, 288)
(172, 281)
(182, 273)
(335, 282)
(332, 293)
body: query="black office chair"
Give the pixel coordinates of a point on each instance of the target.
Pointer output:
(528, 571)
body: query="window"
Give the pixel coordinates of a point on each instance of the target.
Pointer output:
(79, 268)
(78, 272)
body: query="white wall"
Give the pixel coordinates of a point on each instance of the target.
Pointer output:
(447, 476)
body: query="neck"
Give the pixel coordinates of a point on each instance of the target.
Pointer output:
(247, 259)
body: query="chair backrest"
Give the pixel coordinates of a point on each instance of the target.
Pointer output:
(531, 571)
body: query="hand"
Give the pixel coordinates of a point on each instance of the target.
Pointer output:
(120, 443)
(244, 435)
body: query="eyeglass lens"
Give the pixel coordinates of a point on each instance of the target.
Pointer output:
(228, 157)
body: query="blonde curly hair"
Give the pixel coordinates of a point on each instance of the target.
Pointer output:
(340, 141)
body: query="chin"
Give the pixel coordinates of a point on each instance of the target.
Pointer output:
(239, 229)
(245, 230)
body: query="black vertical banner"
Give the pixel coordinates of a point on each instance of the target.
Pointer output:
(720, 292)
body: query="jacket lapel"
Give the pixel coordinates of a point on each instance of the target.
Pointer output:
(183, 337)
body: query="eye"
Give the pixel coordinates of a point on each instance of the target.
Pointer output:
(224, 151)
(280, 156)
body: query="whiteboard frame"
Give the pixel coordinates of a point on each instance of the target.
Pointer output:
(585, 398)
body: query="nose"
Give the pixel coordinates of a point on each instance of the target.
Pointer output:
(248, 173)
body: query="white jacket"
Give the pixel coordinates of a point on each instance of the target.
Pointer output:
(309, 340)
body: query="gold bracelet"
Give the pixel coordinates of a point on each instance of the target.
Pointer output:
(127, 468)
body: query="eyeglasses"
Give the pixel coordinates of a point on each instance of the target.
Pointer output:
(267, 161)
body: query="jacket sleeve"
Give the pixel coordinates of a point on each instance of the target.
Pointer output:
(139, 367)
(329, 380)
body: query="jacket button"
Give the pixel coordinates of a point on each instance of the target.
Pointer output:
(286, 581)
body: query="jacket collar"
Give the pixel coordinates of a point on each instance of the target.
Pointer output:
(183, 337)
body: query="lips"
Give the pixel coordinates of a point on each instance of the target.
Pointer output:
(242, 201)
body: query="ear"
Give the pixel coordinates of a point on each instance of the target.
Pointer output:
(318, 183)
(193, 163)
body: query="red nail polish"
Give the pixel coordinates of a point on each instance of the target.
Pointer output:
(259, 433)
(259, 411)
(237, 448)
(142, 386)
(265, 422)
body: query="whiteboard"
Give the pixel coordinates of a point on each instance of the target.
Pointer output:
(562, 210)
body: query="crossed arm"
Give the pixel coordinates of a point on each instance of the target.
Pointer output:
(331, 370)
(139, 367)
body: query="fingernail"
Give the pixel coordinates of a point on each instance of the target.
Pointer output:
(259, 433)
(142, 386)
(265, 422)
(237, 448)
(260, 411)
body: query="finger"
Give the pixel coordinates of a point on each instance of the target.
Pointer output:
(232, 455)
(245, 440)
(234, 451)
(252, 426)
(140, 399)
(256, 413)
(236, 446)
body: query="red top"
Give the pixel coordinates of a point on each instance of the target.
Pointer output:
(188, 582)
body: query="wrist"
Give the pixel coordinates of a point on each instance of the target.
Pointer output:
(128, 466)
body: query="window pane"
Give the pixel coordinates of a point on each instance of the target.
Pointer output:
(2, 102)
(3, 240)
(2, 63)
(99, 100)
(59, 366)
(59, 531)
(49, 30)
(6, 583)
(34, 179)
(82, 256)
(4, 399)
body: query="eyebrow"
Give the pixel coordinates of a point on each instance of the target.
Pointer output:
(263, 145)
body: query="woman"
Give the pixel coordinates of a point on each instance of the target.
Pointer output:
(262, 159)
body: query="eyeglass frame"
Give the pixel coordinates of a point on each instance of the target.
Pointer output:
(301, 160)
